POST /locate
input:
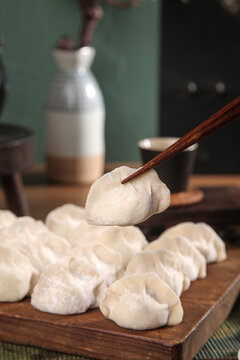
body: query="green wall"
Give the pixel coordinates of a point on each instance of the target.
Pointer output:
(126, 66)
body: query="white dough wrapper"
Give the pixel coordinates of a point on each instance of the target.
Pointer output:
(83, 231)
(6, 217)
(203, 237)
(140, 302)
(17, 275)
(126, 240)
(24, 227)
(193, 262)
(110, 202)
(34, 240)
(165, 263)
(64, 219)
(70, 286)
(107, 261)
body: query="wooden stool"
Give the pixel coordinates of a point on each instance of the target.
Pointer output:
(17, 153)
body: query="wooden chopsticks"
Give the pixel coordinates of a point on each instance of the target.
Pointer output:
(222, 117)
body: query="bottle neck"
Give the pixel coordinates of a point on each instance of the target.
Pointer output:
(80, 59)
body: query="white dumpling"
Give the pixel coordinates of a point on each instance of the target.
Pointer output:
(64, 219)
(6, 217)
(82, 232)
(17, 275)
(22, 227)
(140, 302)
(34, 240)
(127, 240)
(46, 249)
(107, 261)
(203, 237)
(110, 202)
(193, 262)
(165, 264)
(70, 286)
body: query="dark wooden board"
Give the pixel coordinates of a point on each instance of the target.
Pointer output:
(206, 304)
(220, 206)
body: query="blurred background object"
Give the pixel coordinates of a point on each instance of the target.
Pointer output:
(233, 6)
(17, 153)
(126, 67)
(75, 120)
(75, 107)
(163, 66)
(176, 171)
(200, 73)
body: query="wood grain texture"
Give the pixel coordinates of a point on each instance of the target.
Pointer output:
(206, 304)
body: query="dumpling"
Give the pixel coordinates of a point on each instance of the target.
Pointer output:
(203, 237)
(64, 219)
(193, 262)
(45, 249)
(107, 261)
(165, 264)
(140, 302)
(83, 231)
(70, 286)
(110, 202)
(6, 217)
(127, 240)
(17, 275)
(34, 240)
(22, 227)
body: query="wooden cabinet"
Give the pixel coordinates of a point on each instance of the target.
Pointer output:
(200, 72)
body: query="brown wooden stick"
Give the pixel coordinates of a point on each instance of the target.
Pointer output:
(14, 193)
(222, 117)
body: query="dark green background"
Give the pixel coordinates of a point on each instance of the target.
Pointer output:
(126, 66)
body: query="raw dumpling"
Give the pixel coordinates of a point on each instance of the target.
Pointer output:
(203, 237)
(23, 227)
(45, 249)
(165, 264)
(34, 240)
(69, 286)
(64, 219)
(107, 261)
(6, 217)
(193, 262)
(82, 232)
(127, 240)
(17, 275)
(110, 202)
(140, 302)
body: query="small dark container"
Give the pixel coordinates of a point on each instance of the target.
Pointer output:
(174, 172)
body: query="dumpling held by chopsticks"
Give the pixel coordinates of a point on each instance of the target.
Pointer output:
(110, 202)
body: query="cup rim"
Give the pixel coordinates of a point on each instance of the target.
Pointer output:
(152, 143)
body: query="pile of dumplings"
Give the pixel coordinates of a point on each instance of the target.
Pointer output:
(68, 266)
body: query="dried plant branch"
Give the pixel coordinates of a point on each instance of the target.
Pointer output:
(92, 13)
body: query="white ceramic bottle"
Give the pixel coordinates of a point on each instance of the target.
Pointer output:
(75, 120)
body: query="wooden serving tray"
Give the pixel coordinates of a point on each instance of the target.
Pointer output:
(206, 304)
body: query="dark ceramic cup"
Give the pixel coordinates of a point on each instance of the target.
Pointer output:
(174, 172)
